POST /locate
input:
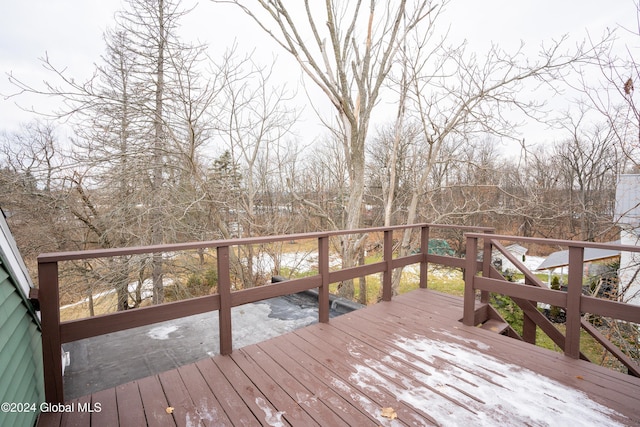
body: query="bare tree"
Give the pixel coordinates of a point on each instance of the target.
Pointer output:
(254, 123)
(454, 95)
(613, 94)
(139, 122)
(347, 49)
(590, 165)
(31, 171)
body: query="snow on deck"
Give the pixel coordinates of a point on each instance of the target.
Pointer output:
(475, 388)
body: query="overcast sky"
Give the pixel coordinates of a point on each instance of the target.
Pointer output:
(70, 32)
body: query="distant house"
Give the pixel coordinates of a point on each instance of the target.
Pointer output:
(21, 372)
(502, 262)
(560, 259)
(627, 216)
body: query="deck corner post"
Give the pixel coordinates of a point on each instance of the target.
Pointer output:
(574, 293)
(51, 339)
(388, 258)
(224, 289)
(323, 270)
(470, 270)
(424, 250)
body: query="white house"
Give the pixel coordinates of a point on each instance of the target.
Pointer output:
(627, 216)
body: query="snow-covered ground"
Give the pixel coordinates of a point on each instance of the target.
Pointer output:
(146, 292)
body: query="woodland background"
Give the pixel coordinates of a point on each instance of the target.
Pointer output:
(167, 144)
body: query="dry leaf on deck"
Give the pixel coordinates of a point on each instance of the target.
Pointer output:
(389, 413)
(169, 410)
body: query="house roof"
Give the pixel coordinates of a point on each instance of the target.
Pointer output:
(168, 345)
(514, 249)
(561, 258)
(14, 264)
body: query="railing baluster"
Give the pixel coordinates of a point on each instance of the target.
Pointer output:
(529, 327)
(424, 250)
(224, 289)
(388, 258)
(323, 270)
(486, 266)
(574, 291)
(51, 342)
(470, 269)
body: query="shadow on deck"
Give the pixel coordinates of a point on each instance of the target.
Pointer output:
(405, 362)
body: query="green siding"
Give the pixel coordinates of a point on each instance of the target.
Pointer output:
(21, 377)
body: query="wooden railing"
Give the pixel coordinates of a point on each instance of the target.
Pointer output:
(526, 296)
(55, 333)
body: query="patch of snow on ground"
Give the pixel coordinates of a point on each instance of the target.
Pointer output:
(475, 388)
(262, 326)
(161, 332)
(146, 291)
(294, 261)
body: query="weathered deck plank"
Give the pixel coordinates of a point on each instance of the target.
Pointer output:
(206, 403)
(412, 355)
(106, 398)
(303, 396)
(232, 403)
(130, 410)
(299, 365)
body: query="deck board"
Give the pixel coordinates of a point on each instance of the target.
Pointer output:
(297, 364)
(129, 405)
(412, 355)
(232, 403)
(205, 402)
(106, 398)
(297, 391)
(155, 402)
(179, 400)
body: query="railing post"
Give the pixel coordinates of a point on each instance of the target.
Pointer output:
(388, 258)
(224, 290)
(470, 270)
(574, 292)
(528, 329)
(323, 270)
(487, 253)
(51, 342)
(424, 250)
(528, 325)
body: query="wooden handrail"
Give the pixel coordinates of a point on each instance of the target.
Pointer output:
(175, 247)
(555, 242)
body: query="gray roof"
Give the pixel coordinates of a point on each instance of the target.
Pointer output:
(561, 258)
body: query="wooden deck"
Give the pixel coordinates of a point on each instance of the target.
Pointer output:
(411, 356)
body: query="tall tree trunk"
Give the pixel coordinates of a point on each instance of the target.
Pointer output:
(157, 175)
